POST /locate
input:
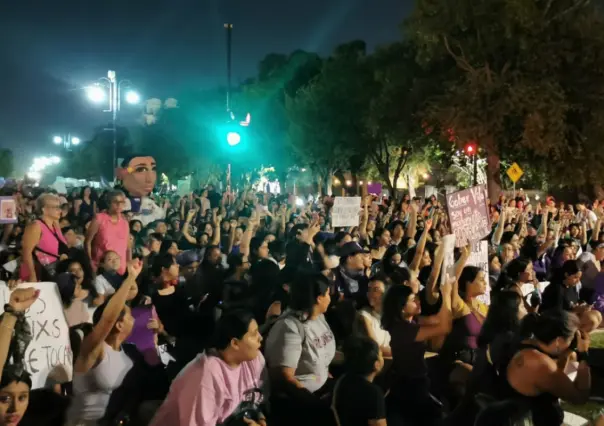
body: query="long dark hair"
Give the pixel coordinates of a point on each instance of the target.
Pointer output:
(502, 317)
(510, 274)
(468, 275)
(392, 307)
(387, 266)
(305, 289)
(88, 280)
(569, 268)
(550, 325)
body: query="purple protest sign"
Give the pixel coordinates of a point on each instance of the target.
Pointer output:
(374, 188)
(469, 215)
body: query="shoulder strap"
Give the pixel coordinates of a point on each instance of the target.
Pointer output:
(62, 246)
(299, 324)
(46, 253)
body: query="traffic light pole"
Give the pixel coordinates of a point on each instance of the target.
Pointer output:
(229, 42)
(475, 168)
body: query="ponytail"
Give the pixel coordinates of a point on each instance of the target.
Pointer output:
(529, 324)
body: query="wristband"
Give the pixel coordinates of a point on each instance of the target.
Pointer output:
(10, 310)
(583, 356)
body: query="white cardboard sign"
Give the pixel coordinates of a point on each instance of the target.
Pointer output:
(49, 355)
(448, 268)
(345, 211)
(479, 257)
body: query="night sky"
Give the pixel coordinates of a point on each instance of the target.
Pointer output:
(48, 49)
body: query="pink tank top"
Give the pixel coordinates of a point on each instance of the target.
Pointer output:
(111, 236)
(49, 243)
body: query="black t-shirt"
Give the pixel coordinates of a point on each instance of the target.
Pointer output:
(427, 309)
(407, 354)
(358, 401)
(558, 296)
(172, 310)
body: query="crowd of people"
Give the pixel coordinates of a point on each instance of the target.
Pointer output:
(271, 317)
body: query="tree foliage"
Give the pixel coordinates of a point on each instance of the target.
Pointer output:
(326, 117)
(518, 76)
(6, 162)
(279, 77)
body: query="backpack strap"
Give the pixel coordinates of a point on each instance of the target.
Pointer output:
(299, 324)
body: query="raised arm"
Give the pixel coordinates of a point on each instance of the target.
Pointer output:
(20, 300)
(92, 345)
(421, 246)
(432, 292)
(496, 240)
(444, 319)
(186, 226)
(217, 219)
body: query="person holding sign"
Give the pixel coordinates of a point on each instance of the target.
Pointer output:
(15, 383)
(460, 349)
(101, 365)
(410, 395)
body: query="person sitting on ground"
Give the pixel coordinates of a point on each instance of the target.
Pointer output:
(356, 400)
(216, 387)
(562, 294)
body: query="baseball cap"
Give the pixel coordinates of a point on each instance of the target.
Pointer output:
(351, 248)
(186, 258)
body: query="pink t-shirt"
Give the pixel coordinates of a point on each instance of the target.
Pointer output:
(207, 391)
(49, 242)
(111, 236)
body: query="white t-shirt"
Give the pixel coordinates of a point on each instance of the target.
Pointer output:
(382, 336)
(103, 287)
(149, 211)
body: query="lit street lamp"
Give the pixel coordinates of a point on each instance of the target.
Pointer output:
(67, 141)
(98, 93)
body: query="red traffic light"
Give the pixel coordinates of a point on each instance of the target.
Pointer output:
(470, 148)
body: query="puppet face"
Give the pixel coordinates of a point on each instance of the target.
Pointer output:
(139, 177)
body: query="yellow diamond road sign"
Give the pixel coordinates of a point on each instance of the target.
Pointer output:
(515, 172)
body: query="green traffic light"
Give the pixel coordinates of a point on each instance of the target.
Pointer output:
(233, 138)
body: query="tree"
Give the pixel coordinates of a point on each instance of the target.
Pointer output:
(326, 117)
(522, 77)
(398, 143)
(6, 162)
(279, 76)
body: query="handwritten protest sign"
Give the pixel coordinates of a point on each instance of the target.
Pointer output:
(448, 242)
(8, 210)
(345, 211)
(469, 214)
(479, 257)
(48, 358)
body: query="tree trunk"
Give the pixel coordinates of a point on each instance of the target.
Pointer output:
(320, 185)
(493, 172)
(410, 184)
(384, 174)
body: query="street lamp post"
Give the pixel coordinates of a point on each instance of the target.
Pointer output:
(97, 94)
(67, 141)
